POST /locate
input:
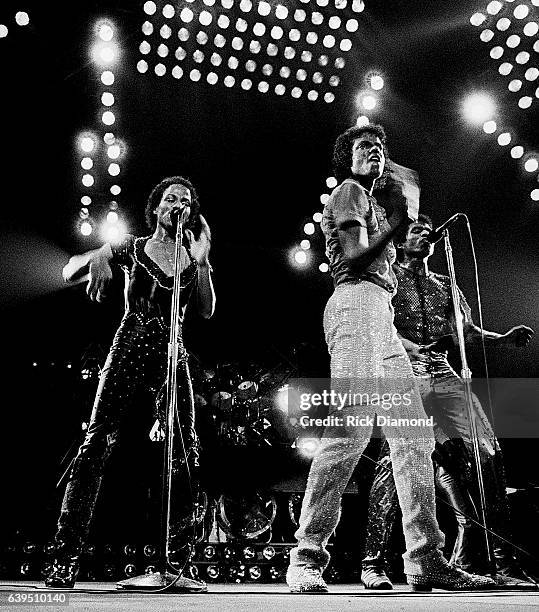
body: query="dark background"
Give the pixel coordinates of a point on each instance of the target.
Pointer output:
(259, 163)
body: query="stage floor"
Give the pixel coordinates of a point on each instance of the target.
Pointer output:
(249, 597)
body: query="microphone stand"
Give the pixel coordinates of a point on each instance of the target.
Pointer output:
(164, 578)
(466, 376)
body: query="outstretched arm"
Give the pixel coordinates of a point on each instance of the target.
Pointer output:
(517, 336)
(97, 264)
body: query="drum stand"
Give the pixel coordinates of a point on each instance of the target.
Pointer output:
(164, 578)
(466, 376)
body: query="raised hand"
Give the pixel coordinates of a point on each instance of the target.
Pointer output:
(200, 248)
(518, 336)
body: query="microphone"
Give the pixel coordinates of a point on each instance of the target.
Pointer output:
(176, 214)
(438, 233)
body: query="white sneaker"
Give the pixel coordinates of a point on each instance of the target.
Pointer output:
(305, 579)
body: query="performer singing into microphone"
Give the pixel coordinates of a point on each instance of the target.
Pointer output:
(136, 366)
(367, 356)
(424, 318)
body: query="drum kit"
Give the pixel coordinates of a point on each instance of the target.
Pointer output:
(239, 404)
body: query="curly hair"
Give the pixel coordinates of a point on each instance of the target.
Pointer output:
(342, 152)
(193, 223)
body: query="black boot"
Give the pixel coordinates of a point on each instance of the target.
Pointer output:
(383, 505)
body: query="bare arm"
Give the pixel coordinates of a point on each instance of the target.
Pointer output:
(517, 336)
(97, 264)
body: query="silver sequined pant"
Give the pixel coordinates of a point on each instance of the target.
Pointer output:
(366, 354)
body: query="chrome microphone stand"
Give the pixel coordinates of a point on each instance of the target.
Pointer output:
(466, 376)
(164, 578)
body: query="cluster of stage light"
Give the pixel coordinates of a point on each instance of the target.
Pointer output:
(512, 29)
(280, 47)
(103, 146)
(21, 19)
(214, 562)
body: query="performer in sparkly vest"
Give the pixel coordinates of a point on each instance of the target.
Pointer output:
(424, 318)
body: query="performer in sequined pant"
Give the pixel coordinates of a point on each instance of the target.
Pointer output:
(424, 318)
(135, 370)
(368, 358)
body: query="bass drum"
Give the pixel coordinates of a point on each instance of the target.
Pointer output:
(245, 517)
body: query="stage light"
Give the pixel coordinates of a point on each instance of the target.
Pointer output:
(345, 45)
(168, 11)
(268, 553)
(522, 57)
(505, 68)
(209, 2)
(227, 4)
(517, 152)
(306, 56)
(477, 19)
(150, 8)
(87, 180)
(212, 572)
(109, 138)
(309, 229)
(212, 78)
(504, 139)
(160, 70)
(368, 102)
(150, 551)
(317, 18)
(318, 78)
(534, 195)
(3, 30)
(147, 28)
(305, 245)
(87, 163)
(328, 41)
(86, 200)
(249, 553)
(324, 199)
(494, 7)
(362, 120)
(285, 72)
(216, 59)
(115, 190)
(246, 5)
(301, 74)
(486, 35)
(198, 57)
(250, 66)
(280, 89)
(358, 6)
(114, 151)
(209, 552)
(22, 18)
(503, 24)
(323, 267)
(162, 50)
(312, 95)
(186, 15)
(229, 81)
(496, 52)
(86, 228)
(87, 144)
(104, 53)
(312, 38)
(114, 169)
(531, 74)
(205, 18)
(112, 232)
(255, 572)
(264, 9)
(246, 84)
(281, 12)
(294, 35)
(307, 447)
(478, 108)
(514, 85)
(531, 164)
(531, 28)
(300, 257)
(263, 87)
(521, 11)
(513, 41)
(183, 34)
(525, 102)
(108, 118)
(107, 99)
(105, 31)
(276, 32)
(107, 77)
(334, 22)
(112, 217)
(241, 25)
(489, 127)
(300, 15)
